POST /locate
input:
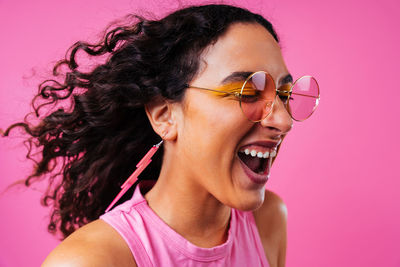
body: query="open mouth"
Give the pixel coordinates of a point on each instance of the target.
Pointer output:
(257, 161)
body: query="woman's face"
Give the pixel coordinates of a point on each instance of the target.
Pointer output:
(214, 133)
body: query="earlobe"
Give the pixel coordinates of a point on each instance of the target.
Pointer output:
(160, 114)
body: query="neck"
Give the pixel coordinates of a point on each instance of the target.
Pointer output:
(188, 208)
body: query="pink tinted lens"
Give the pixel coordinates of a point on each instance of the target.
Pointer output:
(257, 96)
(304, 98)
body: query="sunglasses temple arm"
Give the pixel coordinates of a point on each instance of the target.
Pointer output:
(143, 163)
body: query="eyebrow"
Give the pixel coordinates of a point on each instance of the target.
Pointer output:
(243, 75)
(287, 79)
(236, 76)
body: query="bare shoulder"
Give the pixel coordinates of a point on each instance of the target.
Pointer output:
(271, 220)
(95, 244)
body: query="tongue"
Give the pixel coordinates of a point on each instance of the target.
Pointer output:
(254, 163)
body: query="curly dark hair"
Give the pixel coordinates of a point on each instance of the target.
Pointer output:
(86, 151)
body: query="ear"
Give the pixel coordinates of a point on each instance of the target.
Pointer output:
(161, 116)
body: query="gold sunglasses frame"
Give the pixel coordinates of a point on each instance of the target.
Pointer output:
(278, 93)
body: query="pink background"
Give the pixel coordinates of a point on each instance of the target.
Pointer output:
(337, 172)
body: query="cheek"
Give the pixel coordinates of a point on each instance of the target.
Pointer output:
(214, 121)
(213, 132)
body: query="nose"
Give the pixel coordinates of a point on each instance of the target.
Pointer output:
(279, 119)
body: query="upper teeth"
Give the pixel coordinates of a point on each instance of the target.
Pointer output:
(258, 154)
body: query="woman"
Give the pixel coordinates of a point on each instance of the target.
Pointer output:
(209, 81)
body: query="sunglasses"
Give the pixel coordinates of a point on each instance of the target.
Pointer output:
(258, 94)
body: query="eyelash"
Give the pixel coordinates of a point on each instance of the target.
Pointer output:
(254, 97)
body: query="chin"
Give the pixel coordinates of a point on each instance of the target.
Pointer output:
(250, 201)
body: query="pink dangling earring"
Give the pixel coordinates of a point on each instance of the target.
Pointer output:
(134, 176)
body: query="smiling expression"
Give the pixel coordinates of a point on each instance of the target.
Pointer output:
(223, 152)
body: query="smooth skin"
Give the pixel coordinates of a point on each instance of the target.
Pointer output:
(201, 177)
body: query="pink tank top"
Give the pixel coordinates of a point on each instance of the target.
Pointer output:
(153, 243)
